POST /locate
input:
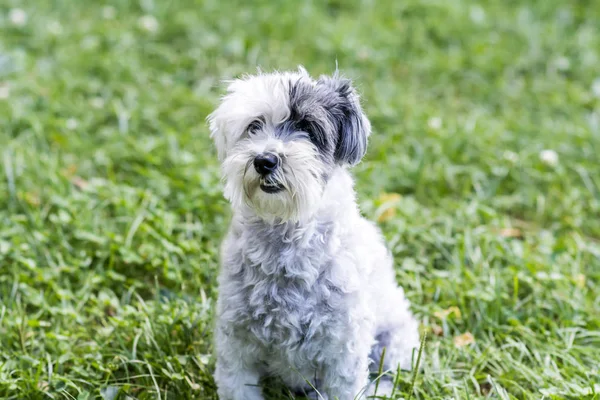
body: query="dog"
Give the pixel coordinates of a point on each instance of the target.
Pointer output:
(307, 290)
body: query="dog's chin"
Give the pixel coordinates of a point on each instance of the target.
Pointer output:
(272, 202)
(270, 187)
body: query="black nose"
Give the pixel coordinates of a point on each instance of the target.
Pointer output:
(266, 163)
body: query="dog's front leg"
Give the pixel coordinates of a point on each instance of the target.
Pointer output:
(347, 375)
(237, 375)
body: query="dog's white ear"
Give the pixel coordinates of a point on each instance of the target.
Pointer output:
(216, 126)
(353, 125)
(218, 121)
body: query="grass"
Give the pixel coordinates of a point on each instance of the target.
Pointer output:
(110, 200)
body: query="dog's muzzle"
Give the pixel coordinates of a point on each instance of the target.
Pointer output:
(266, 164)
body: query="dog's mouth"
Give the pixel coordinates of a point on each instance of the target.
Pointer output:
(270, 186)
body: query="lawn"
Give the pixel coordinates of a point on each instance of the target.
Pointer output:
(483, 172)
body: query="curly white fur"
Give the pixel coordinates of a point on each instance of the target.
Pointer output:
(307, 289)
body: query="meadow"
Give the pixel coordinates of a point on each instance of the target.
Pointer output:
(483, 172)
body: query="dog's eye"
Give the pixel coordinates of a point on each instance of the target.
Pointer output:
(305, 126)
(254, 126)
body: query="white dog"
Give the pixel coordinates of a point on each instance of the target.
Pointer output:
(307, 291)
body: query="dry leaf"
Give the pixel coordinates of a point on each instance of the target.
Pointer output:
(511, 233)
(464, 339)
(389, 197)
(32, 199)
(388, 202)
(445, 313)
(437, 330)
(580, 281)
(387, 214)
(70, 170)
(80, 183)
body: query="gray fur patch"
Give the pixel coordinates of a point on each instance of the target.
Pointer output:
(382, 341)
(348, 118)
(330, 114)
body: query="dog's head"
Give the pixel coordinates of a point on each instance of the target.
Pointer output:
(280, 136)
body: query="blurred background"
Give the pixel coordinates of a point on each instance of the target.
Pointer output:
(483, 171)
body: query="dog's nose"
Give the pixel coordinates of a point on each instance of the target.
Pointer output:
(266, 163)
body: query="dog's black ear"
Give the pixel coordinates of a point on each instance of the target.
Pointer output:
(353, 127)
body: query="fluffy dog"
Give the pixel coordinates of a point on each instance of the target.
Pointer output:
(307, 290)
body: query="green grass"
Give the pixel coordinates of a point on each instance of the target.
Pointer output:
(111, 211)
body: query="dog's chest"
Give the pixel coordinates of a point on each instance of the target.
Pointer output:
(281, 314)
(289, 297)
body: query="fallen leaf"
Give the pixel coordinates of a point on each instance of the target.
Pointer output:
(511, 233)
(464, 339)
(388, 203)
(387, 214)
(80, 183)
(580, 281)
(445, 313)
(389, 197)
(70, 170)
(32, 199)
